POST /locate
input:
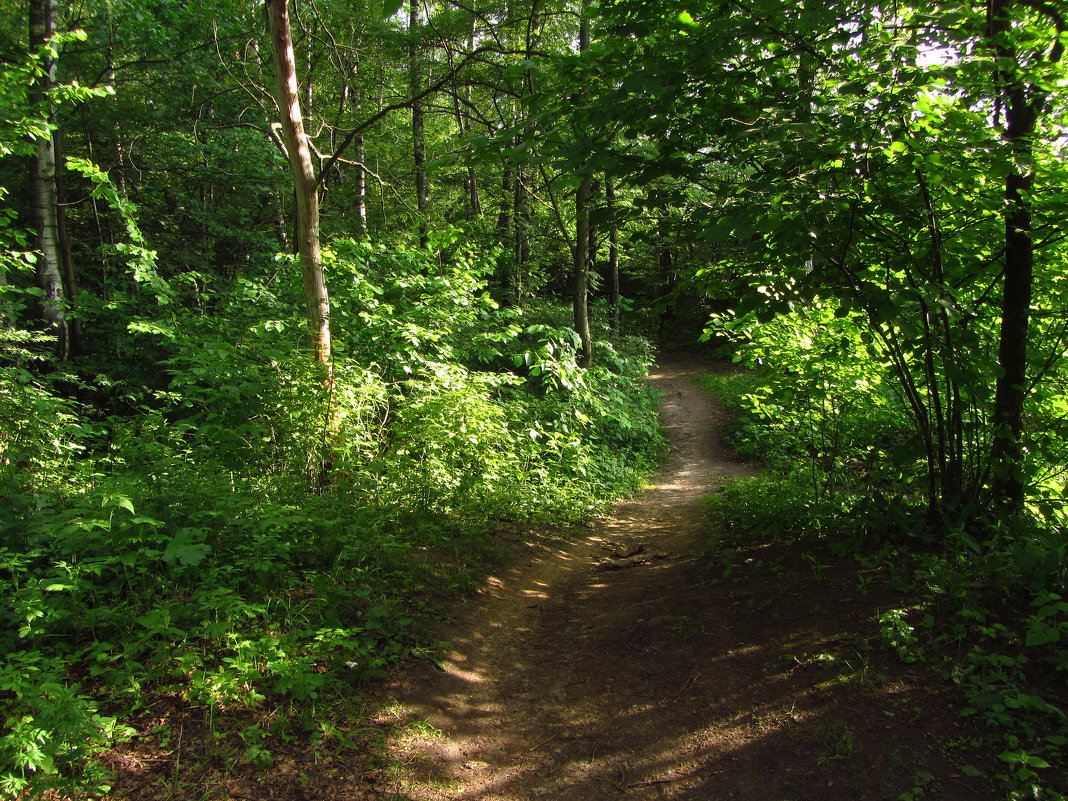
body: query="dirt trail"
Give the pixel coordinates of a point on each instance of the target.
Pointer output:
(616, 666)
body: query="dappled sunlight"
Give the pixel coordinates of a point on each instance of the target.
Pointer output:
(614, 665)
(472, 676)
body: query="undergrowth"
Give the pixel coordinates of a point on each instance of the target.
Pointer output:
(984, 607)
(227, 531)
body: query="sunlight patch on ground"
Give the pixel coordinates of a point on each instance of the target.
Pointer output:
(471, 676)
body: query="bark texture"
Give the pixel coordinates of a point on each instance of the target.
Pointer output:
(422, 192)
(580, 290)
(580, 298)
(44, 196)
(1022, 104)
(613, 254)
(304, 181)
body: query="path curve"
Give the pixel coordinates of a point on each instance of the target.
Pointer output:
(577, 674)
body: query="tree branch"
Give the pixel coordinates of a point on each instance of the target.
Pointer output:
(386, 110)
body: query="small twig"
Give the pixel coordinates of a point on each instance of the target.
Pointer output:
(962, 784)
(687, 684)
(622, 784)
(543, 742)
(651, 783)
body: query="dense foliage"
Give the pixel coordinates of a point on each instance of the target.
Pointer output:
(863, 199)
(984, 607)
(242, 530)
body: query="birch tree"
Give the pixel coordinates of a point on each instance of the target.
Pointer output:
(44, 197)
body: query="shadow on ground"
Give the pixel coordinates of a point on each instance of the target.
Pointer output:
(622, 665)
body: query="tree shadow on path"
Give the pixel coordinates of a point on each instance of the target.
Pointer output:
(623, 666)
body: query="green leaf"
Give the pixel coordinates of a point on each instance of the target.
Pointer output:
(443, 161)
(391, 7)
(1042, 635)
(121, 501)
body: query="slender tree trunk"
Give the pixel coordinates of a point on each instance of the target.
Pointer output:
(667, 289)
(45, 207)
(361, 185)
(1021, 105)
(360, 201)
(70, 282)
(305, 190)
(470, 180)
(474, 207)
(581, 279)
(474, 204)
(504, 234)
(422, 197)
(613, 253)
(593, 233)
(504, 214)
(580, 299)
(521, 224)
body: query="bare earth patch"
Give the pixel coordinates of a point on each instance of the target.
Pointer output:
(621, 665)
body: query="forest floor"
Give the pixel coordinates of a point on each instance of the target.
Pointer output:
(625, 664)
(621, 666)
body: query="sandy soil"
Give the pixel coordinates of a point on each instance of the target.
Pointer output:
(621, 665)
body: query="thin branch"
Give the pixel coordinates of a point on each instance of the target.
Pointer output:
(386, 110)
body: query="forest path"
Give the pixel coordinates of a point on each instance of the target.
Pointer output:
(577, 674)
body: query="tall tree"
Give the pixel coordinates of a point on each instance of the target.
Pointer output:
(851, 159)
(613, 252)
(44, 192)
(1022, 101)
(415, 82)
(287, 96)
(581, 277)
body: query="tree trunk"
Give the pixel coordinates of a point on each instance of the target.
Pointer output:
(44, 202)
(474, 209)
(7, 309)
(304, 185)
(70, 282)
(580, 296)
(580, 299)
(521, 244)
(474, 206)
(613, 254)
(361, 185)
(422, 198)
(1021, 104)
(667, 289)
(592, 233)
(504, 234)
(360, 201)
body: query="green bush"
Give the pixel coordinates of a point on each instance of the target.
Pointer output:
(985, 608)
(237, 529)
